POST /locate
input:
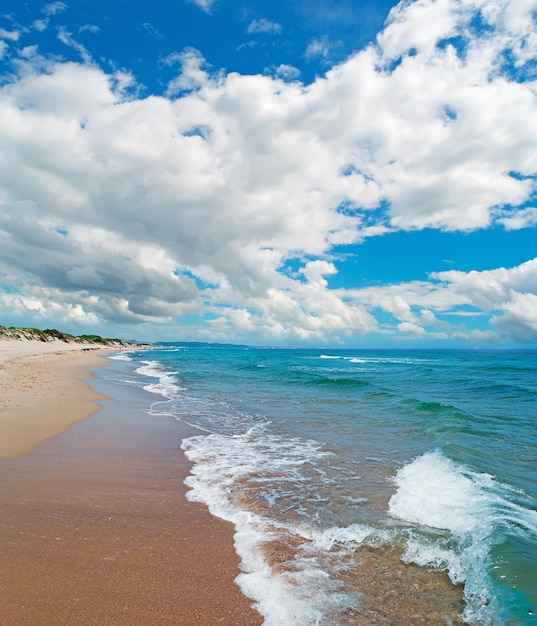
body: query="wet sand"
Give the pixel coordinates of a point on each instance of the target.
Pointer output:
(94, 524)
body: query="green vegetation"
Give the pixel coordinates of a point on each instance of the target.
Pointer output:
(51, 334)
(98, 339)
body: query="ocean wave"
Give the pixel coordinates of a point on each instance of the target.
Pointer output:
(301, 455)
(121, 356)
(475, 510)
(287, 560)
(166, 385)
(337, 382)
(383, 360)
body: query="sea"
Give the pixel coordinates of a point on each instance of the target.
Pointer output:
(365, 486)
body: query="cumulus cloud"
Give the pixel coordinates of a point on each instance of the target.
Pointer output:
(199, 201)
(519, 320)
(504, 296)
(509, 293)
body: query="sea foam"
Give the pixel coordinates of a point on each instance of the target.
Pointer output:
(224, 472)
(121, 356)
(473, 508)
(166, 384)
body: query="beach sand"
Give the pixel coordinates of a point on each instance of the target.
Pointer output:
(94, 524)
(43, 390)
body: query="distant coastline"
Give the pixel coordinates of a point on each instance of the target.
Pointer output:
(200, 344)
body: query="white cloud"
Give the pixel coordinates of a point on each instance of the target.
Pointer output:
(524, 218)
(199, 201)
(318, 48)
(418, 26)
(90, 28)
(492, 289)
(54, 8)
(204, 5)
(10, 35)
(28, 52)
(67, 38)
(264, 26)
(25, 310)
(192, 74)
(519, 320)
(41, 25)
(287, 72)
(411, 329)
(507, 296)
(314, 271)
(7, 36)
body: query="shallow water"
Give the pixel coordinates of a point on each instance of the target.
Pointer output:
(366, 487)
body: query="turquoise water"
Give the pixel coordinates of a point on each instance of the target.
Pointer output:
(335, 465)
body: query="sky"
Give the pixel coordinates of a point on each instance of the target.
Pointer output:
(295, 173)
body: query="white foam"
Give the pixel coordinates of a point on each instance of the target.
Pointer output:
(225, 468)
(436, 492)
(152, 369)
(374, 359)
(122, 356)
(473, 508)
(348, 537)
(167, 383)
(433, 491)
(432, 552)
(388, 360)
(166, 386)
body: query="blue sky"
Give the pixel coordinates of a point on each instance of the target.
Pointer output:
(293, 173)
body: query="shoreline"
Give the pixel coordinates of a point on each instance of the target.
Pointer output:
(96, 527)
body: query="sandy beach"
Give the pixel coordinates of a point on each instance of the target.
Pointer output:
(43, 390)
(94, 524)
